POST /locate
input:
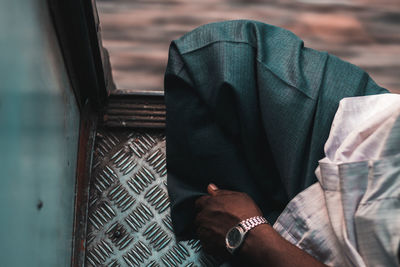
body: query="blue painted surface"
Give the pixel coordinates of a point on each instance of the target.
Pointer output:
(39, 126)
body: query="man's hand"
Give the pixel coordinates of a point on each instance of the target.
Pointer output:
(217, 213)
(223, 209)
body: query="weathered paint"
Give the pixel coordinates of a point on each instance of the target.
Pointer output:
(39, 127)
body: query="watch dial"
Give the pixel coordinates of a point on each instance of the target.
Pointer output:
(234, 237)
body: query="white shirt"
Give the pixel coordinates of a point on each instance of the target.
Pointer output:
(351, 216)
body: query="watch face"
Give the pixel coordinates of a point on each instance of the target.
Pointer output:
(234, 237)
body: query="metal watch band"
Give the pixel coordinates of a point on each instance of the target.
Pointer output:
(235, 236)
(252, 222)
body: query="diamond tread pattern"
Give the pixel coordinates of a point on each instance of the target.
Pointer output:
(129, 221)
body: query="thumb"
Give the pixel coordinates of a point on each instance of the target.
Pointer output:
(212, 189)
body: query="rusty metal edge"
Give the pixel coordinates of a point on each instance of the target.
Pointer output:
(87, 135)
(135, 111)
(136, 92)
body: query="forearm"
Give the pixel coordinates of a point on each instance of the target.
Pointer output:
(263, 246)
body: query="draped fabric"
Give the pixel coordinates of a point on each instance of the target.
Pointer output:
(351, 216)
(249, 108)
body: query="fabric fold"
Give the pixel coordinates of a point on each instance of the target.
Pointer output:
(357, 223)
(249, 108)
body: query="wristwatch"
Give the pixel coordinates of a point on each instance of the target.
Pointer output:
(236, 235)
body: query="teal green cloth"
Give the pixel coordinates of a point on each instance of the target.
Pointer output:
(249, 108)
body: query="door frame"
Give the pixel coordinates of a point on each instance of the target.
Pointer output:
(78, 31)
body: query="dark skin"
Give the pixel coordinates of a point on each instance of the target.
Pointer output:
(263, 246)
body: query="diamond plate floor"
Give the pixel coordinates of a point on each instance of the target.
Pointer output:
(129, 221)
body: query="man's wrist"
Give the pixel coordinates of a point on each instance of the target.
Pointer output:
(254, 241)
(238, 234)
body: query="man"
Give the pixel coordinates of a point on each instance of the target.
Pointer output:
(263, 246)
(350, 217)
(250, 108)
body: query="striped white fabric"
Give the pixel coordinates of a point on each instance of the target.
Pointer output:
(351, 217)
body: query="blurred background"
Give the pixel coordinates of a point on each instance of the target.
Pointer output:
(137, 33)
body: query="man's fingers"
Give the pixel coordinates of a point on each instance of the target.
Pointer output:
(201, 202)
(197, 221)
(212, 189)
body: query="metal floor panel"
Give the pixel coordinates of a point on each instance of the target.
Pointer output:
(129, 221)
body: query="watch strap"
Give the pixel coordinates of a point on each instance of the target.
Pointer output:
(242, 228)
(252, 222)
